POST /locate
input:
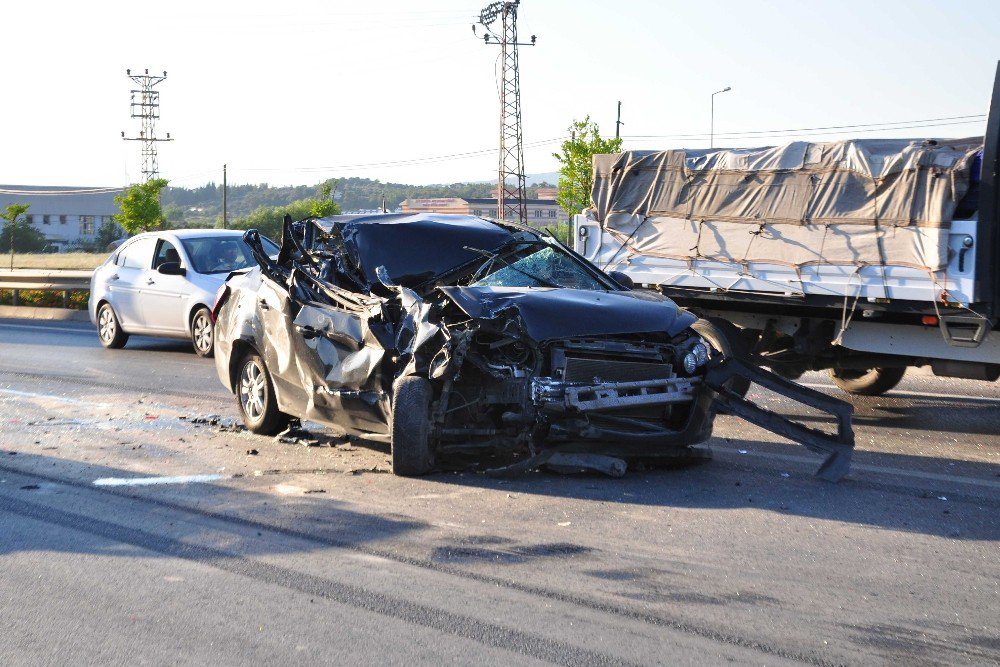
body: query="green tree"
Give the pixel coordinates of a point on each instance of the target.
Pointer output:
(576, 172)
(268, 219)
(18, 234)
(106, 234)
(325, 205)
(140, 207)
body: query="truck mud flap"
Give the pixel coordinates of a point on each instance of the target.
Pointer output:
(837, 448)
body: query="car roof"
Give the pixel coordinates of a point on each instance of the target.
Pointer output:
(191, 233)
(201, 233)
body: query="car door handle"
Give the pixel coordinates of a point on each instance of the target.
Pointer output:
(150, 282)
(114, 277)
(307, 331)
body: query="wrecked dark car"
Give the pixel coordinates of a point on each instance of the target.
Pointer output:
(454, 334)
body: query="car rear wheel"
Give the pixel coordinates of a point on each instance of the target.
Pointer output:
(109, 329)
(871, 382)
(255, 397)
(411, 427)
(203, 332)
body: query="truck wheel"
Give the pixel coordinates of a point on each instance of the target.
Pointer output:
(411, 427)
(255, 397)
(872, 382)
(726, 339)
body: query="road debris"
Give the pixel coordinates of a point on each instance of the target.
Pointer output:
(565, 463)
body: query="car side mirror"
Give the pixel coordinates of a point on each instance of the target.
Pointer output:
(622, 279)
(171, 269)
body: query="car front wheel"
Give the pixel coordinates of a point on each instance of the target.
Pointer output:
(203, 332)
(109, 329)
(411, 427)
(255, 397)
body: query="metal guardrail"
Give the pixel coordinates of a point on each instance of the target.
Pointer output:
(49, 280)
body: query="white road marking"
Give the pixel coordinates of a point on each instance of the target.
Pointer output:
(912, 394)
(863, 467)
(150, 481)
(50, 397)
(36, 327)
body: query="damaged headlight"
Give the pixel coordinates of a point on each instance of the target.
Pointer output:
(690, 363)
(697, 357)
(700, 351)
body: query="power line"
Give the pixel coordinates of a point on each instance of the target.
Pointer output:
(877, 126)
(394, 163)
(61, 192)
(813, 134)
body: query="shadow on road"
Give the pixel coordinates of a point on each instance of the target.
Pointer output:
(869, 498)
(61, 493)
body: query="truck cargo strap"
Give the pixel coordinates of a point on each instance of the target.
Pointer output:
(837, 448)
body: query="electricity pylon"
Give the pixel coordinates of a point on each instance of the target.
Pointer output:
(511, 201)
(146, 106)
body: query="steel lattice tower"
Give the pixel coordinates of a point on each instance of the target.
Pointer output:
(511, 202)
(145, 105)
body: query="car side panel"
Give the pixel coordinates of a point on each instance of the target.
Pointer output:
(324, 363)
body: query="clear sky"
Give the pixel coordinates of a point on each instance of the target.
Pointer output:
(303, 90)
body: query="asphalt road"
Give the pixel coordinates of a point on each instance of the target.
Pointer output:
(277, 551)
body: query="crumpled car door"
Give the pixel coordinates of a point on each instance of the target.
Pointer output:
(339, 364)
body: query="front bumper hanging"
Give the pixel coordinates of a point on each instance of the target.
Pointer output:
(837, 448)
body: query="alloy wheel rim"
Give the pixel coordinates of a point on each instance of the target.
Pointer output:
(202, 332)
(107, 324)
(252, 390)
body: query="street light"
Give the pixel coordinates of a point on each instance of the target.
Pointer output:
(711, 141)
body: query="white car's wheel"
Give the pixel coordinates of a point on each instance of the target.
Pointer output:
(203, 333)
(109, 329)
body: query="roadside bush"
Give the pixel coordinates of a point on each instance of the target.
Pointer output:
(45, 298)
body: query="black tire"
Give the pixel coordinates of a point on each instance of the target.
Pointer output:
(255, 397)
(203, 332)
(726, 339)
(109, 329)
(871, 382)
(411, 427)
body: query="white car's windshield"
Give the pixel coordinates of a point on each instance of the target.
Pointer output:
(222, 254)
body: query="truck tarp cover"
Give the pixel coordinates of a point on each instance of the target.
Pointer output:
(859, 202)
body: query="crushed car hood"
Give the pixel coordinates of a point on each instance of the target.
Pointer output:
(549, 313)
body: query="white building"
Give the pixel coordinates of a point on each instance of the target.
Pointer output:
(67, 216)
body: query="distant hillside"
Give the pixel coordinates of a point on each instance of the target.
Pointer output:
(203, 206)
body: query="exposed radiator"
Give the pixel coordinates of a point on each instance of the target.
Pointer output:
(609, 370)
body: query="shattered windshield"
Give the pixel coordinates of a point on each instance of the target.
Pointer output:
(535, 265)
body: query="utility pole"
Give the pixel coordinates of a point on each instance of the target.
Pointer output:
(225, 192)
(145, 105)
(619, 123)
(511, 198)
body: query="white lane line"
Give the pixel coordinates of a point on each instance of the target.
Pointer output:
(913, 394)
(50, 397)
(884, 470)
(150, 481)
(36, 327)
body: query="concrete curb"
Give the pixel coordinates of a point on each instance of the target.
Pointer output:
(39, 313)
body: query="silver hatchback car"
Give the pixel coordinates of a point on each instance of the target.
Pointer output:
(164, 284)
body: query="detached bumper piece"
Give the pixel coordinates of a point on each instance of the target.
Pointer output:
(558, 396)
(837, 448)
